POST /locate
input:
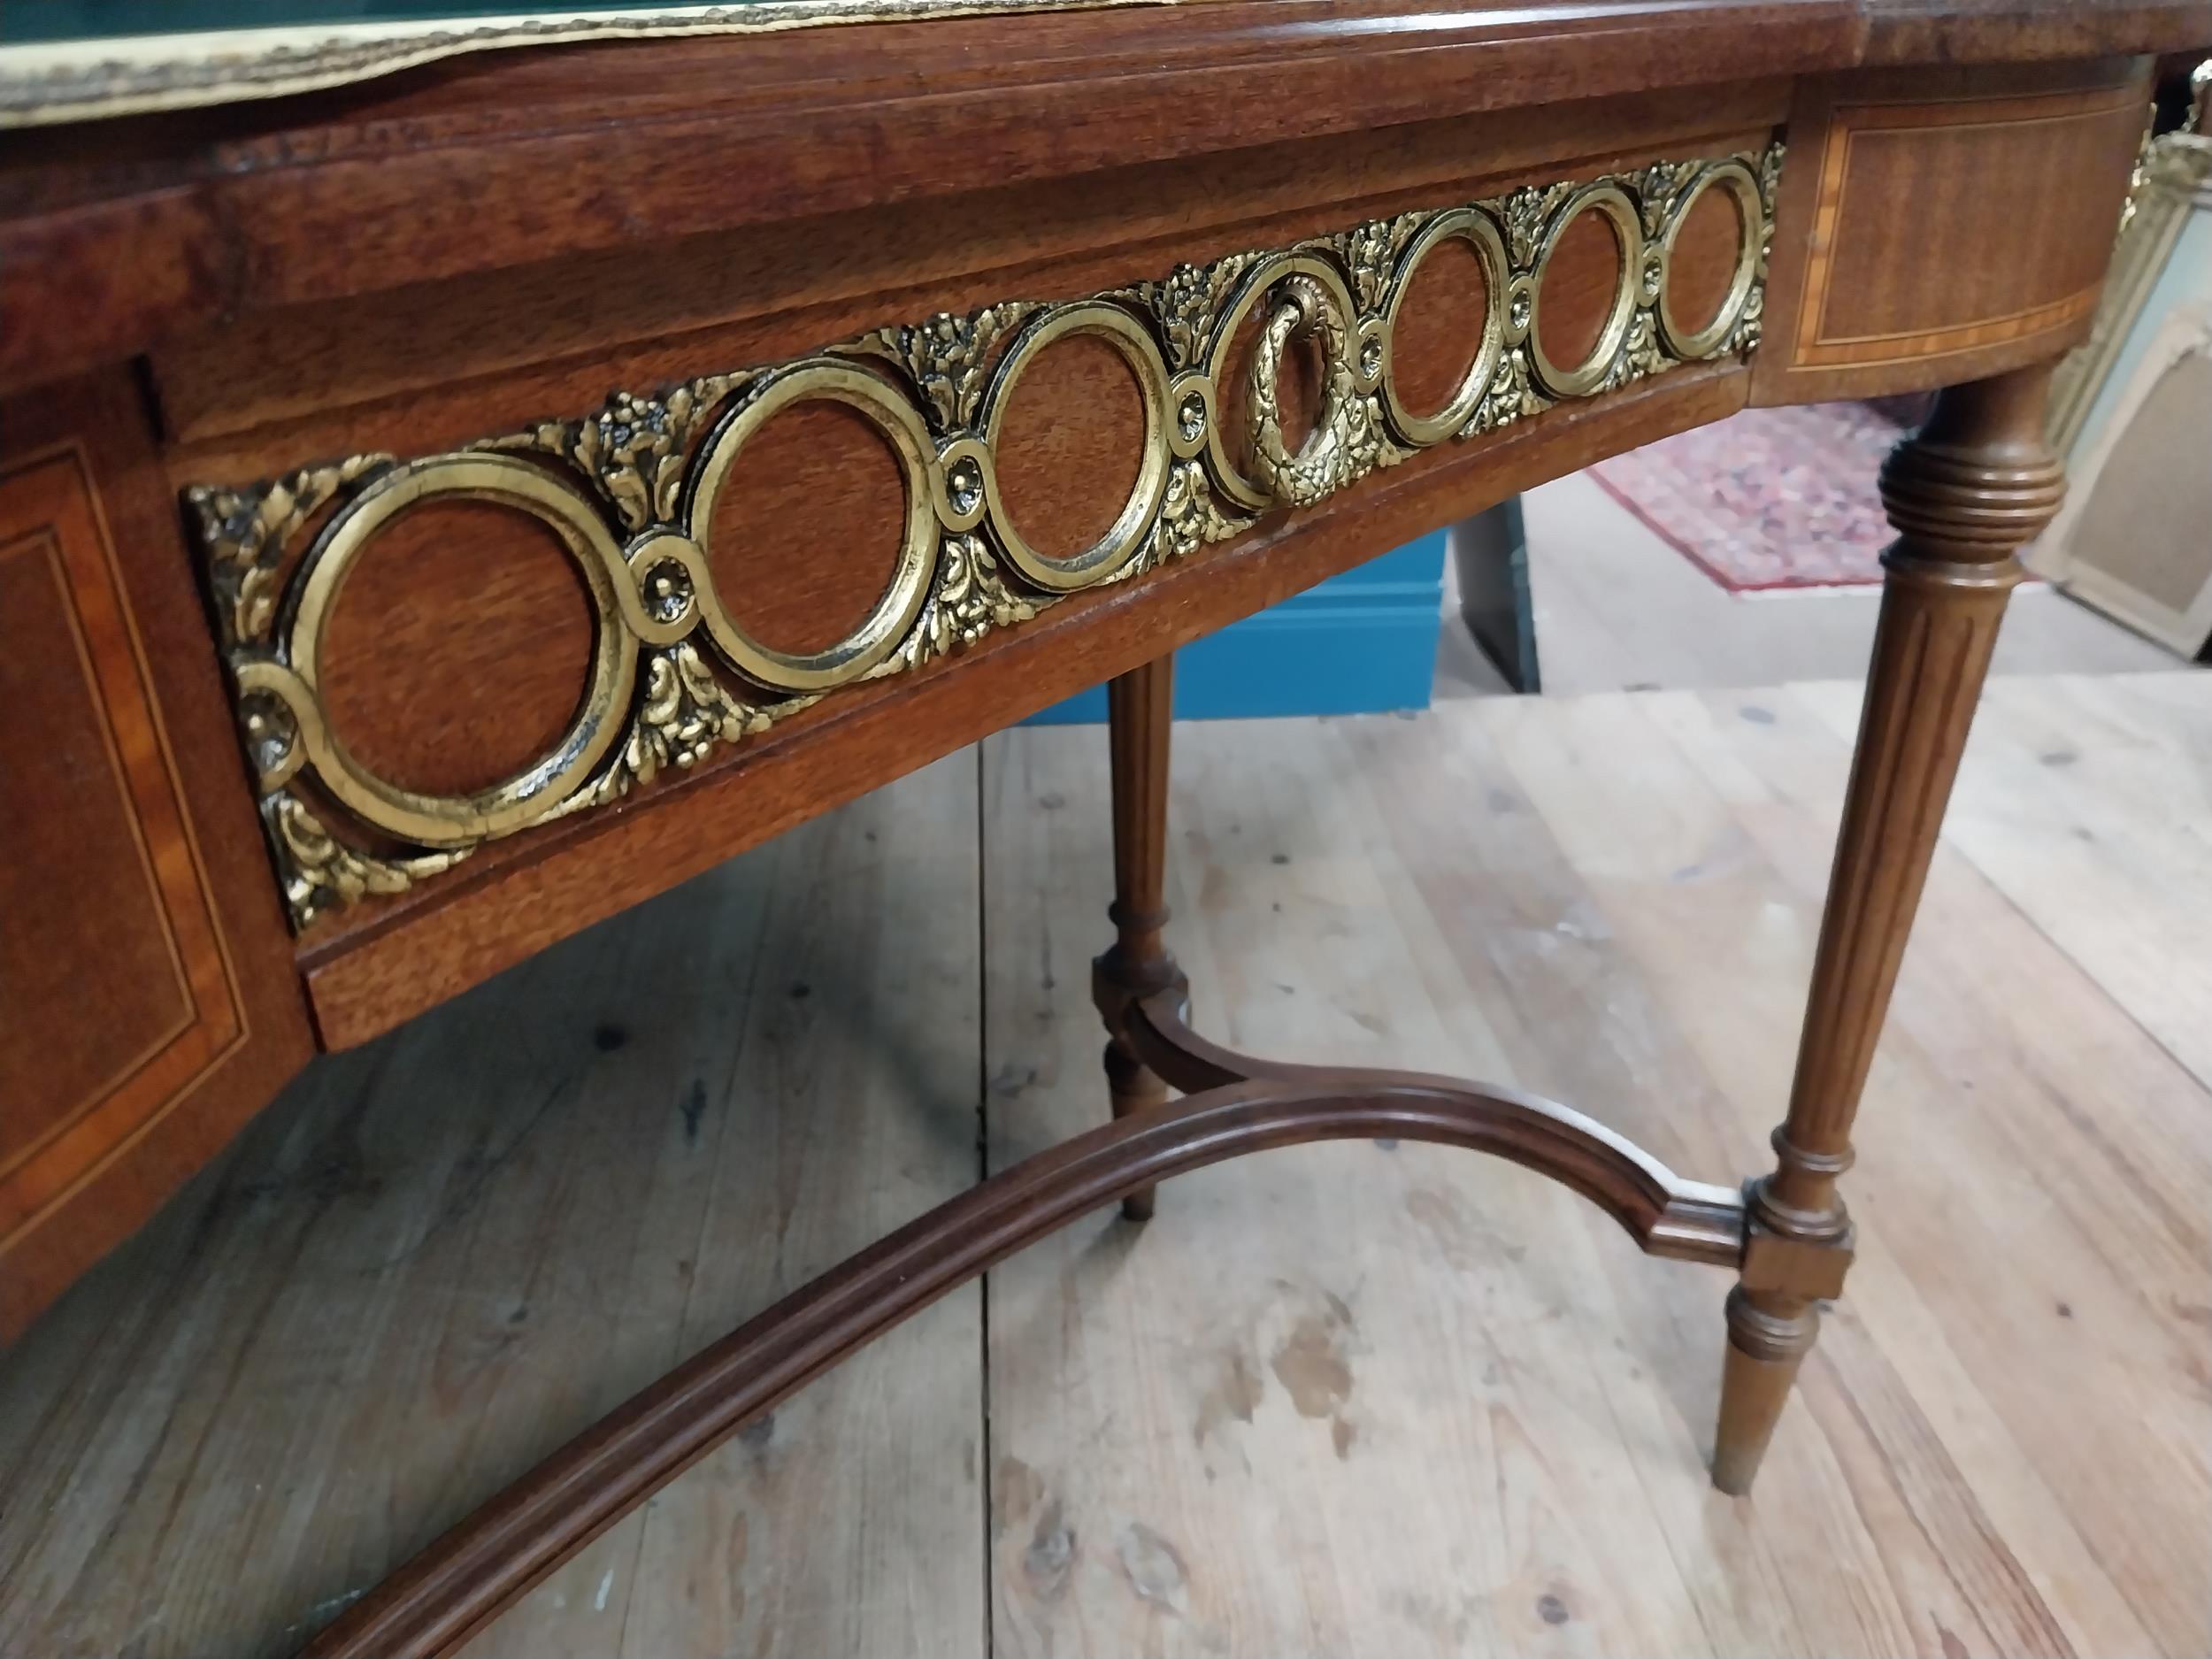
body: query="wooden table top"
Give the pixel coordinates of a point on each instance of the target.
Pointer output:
(116, 238)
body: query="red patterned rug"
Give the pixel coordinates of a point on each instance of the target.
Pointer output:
(1771, 498)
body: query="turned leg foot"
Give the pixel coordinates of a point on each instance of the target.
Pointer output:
(1768, 1338)
(1967, 490)
(1137, 965)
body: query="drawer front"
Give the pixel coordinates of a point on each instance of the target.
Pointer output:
(444, 660)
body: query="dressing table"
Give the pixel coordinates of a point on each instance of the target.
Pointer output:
(462, 477)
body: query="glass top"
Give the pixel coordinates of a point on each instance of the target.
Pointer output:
(74, 60)
(22, 21)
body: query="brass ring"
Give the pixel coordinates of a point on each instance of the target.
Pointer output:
(440, 820)
(1737, 180)
(1258, 282)
(1479, 232)
(1104, 320)
(878, 635)
(1628, 231)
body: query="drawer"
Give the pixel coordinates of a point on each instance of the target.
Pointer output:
(511, 650)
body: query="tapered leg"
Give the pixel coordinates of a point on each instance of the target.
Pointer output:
(1963, 494)
(1138, 709)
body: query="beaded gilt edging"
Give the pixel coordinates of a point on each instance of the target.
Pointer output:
(631, 492)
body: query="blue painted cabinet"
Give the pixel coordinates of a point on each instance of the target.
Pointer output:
(1360, 644)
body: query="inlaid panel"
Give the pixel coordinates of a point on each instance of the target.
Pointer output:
(149, 998)
(95, 1044)
(1936, 236)
(2005, 171)
(750, 541)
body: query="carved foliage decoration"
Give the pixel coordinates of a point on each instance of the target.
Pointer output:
(944, 357)
(634, 449)
(630, 491)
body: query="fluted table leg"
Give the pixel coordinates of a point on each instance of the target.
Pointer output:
(1964, 494)
(1138, 709)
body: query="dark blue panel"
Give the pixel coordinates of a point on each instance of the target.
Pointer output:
(1360, 644)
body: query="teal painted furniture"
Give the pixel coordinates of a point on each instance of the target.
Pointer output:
(1360, 644)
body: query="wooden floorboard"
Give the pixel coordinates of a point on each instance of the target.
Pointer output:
(1986, 1151)
(2090, 808)
(1348, 1399)
(439, 1256)
(1617, 608)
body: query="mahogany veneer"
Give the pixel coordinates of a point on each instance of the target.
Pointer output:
(1241, 293)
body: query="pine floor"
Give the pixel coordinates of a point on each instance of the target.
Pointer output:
(1347, 1400)
(1618, 609)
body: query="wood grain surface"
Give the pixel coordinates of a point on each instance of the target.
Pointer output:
(1340, 1400)
(471, 168)
(1938, 226)
(379, 967)
(482, 1237)
(149, 999)
(156, 223)
(724, 299)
